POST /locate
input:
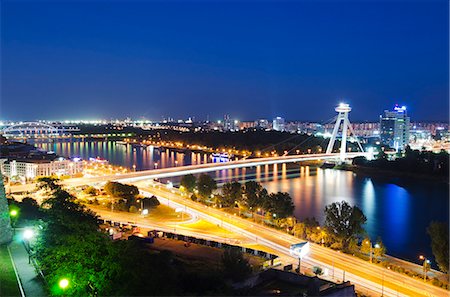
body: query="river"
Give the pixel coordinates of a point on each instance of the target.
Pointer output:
(397, 212)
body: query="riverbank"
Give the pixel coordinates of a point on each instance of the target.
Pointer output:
(390, 175)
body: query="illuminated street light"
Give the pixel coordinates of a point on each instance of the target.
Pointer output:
(13, 213)
(63, 283)
(426, 265)
(299, 250)
(28, 234)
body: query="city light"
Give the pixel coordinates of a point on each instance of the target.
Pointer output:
(63, 283)
(28, 234)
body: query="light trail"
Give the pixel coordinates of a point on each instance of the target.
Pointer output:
(367, 277)
(189, 169)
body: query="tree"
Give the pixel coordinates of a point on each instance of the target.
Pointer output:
(344, 221)
(188, 182)
(206, 185)
(235, 266)
(126, 192)
(91, 191)
(29, 209)
(150, 202)
(280, 205)
(365, 246)
(317, 270)
(252, 192)
(379, 250)
(231, 193)
(48, 183)
(439, 243)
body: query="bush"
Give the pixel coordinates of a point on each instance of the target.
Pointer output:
(132, 209)
(317, 270)
(436, 282)
(336, 246)
(91, 191)
(150, 202)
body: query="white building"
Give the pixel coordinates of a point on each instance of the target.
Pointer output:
(30, 169)
(278, 124)
(394, 128)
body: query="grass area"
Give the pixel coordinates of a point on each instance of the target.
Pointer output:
(166, 213)
(8, 280)
(209, 228)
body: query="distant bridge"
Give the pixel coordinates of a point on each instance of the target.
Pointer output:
(33, 130)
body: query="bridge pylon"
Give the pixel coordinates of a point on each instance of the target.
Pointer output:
(343, 109)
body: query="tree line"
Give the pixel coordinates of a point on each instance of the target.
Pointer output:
(251, 139)
(125, 197)
(413, 161)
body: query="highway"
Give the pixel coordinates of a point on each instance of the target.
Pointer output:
(368, 277)
(189, 169)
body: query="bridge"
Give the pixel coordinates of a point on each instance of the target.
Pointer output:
(341, 156)
(33, 130)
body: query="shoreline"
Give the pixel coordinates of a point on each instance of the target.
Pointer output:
(392, 176)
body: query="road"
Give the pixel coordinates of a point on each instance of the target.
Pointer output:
(200, 229)
(368, 277)
(183, 170)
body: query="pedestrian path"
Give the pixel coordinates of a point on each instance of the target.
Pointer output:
(31, 283)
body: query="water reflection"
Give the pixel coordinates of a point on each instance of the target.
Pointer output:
(400, 215)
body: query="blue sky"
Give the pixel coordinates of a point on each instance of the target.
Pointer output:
(296, 59)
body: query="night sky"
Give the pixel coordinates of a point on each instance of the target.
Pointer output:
(296, 59)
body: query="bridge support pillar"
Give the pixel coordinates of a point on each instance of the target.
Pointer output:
(343, 110)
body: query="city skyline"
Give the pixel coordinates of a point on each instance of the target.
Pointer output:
(296, 60)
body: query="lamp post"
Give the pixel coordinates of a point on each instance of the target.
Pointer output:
(377, 246)
(426, 264)
(63, 284)
(13, 214)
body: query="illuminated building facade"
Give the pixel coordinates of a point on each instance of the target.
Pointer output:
(30, 169)
(278, 124)
(394, 128)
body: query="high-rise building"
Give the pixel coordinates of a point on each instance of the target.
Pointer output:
(227, 123)
(278, 124)
(262, 124)
(394, 128)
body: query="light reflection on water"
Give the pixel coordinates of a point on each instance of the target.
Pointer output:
(399, 214)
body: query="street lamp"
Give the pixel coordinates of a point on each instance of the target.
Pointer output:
(13, 214)
(28, 234)
(377, 246)
(299, 250)
(63, 283)
(426, 264)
